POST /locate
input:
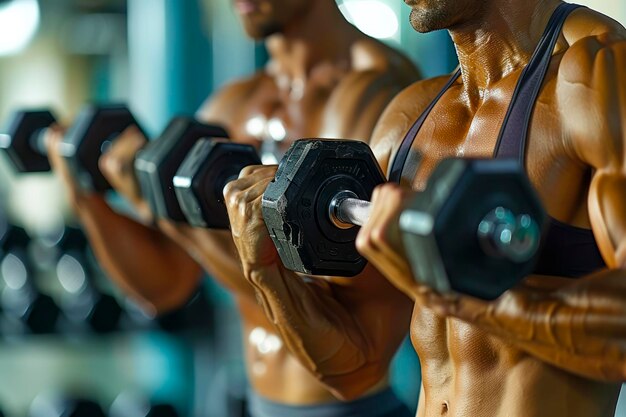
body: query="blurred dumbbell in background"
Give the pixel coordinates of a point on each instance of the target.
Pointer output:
(25, 309)
(65, 405)
(87, 306)
(132, 405)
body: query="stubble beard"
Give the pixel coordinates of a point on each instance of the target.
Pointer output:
(429, 19)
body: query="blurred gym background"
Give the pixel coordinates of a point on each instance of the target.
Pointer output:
(163, 57)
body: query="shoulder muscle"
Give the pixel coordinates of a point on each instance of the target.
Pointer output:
(224, 103)
(591, 92)
(400, 115)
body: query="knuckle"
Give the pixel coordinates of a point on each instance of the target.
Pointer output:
(249, 170)
(378, 235)
(232, 198)
(230, 191)
(362, 244)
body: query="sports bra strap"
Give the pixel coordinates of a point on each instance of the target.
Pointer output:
(395, 174)
(512, 140)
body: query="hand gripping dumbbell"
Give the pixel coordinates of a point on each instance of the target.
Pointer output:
(84, 142)
(200, 180)
(88, 138)
(22, 302)
(475, 229)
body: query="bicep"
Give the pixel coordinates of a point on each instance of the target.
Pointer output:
(601, 141)
(607, 209)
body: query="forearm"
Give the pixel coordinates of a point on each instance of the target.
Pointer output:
(219, 257)
(580, 327)
(215, 251)
(317, 329)
(142, 261)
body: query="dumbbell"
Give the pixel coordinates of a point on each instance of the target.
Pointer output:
(129, 405)
(200, 180)
(475, 229)
(83, 303)
(21, 300)
(89, 137)
(64, 406)
(83, 143)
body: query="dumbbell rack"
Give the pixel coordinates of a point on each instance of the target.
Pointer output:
(175, 350)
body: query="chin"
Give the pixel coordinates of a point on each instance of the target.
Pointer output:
(425, 22)
(260, 31)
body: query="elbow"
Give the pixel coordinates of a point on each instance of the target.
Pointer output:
(162, 296)
(174, 296)
(357, 384)
(615, 372)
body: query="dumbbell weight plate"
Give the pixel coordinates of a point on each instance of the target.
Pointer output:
(18, 141)
(64, 406)
(459, 194)
(89, 137)
(200, 181)
(296, 204)
(157, 163)
(42, 315)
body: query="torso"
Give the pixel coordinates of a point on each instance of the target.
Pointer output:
(251, 107)
(465, 371)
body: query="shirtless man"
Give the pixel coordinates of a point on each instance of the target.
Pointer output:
(553, 346)
(324, 78)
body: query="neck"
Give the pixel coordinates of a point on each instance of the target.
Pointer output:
(323, 35)
(498, 40)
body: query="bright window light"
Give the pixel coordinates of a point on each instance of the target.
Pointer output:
(19, 20)
(372, 17)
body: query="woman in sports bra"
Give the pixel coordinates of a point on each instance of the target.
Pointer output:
(540, 81)
(555, 345)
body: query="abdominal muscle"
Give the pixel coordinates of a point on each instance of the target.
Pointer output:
(469, 373)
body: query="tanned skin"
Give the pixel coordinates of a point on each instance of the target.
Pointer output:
(325, 78)
(550, 347)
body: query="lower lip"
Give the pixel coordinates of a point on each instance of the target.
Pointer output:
(245, 7)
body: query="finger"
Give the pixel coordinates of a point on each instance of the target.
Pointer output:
(253, 169)
(119, 159)
(132, 134)
(247, 181)
(52, 140)
(381, 233)
(241, 200)
(255, 193)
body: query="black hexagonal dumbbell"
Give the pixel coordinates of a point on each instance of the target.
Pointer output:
(82, 145)
(158, 162)
(89, 137)
(200, 180)
(64, 406)
(25, 307)
(85, 305)
(475, 229)
(129, 405)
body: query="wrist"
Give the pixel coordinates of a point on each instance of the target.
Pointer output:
(259, 274)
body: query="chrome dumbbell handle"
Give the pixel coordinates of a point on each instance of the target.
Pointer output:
(346, 211)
